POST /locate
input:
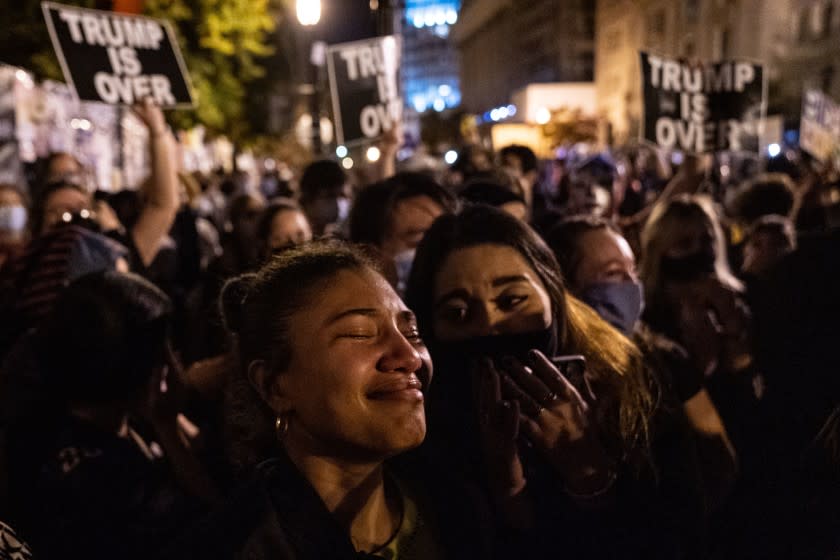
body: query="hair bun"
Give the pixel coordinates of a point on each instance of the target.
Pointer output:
(232, 299)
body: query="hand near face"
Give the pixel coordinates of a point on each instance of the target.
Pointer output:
(559, 422)
(499, 426)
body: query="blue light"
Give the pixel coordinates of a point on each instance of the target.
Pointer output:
(451, 16)
(439, 105)
(487, 116)
(417, 21)
(341, 151)
(511, 110)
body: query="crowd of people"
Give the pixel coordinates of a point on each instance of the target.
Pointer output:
(612, 354)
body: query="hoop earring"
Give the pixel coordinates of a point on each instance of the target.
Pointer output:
(281, 427)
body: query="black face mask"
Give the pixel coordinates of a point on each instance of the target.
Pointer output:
(496, 347)
(452, 407)
(688, 267)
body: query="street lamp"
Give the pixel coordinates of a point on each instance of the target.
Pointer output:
(309, 14)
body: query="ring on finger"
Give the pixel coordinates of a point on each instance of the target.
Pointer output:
(549, 398)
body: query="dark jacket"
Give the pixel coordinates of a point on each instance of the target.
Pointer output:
(278, 515)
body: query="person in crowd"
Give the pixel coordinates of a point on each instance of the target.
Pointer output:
(104, 468)
(522, 163)
(62, 199)
(770, 194)
(692, 298)
(62, 166)
(13, 216)
(768, 240)
(590, 187)
(392, 216)
(240, 249)
(497, 191)
(282, 225)
(330, 391)
(472, 160)
(37, 278)
(505, 336)
(600, 270)
(325, 196)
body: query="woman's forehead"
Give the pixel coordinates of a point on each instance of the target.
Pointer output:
(481, 264)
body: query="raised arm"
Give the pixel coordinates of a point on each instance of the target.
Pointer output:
(161, 190)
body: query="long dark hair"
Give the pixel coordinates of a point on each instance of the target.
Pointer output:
(257, 310)
(628, 395)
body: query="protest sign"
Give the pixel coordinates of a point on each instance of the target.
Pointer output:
(819, 131)
(364, 82)
(704, 107)
(117, 58)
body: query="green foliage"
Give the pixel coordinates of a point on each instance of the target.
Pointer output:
(222, 41)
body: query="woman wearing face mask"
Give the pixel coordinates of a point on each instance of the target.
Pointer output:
(691, 295)
(553, 448)
(331, 389)
(600, 269)
(391, 217)
(13, 216)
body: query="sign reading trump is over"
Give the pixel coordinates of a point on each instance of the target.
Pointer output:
(117, 58)
(702, 107)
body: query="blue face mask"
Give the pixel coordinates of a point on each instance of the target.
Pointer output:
(618, 303)
(12, 219)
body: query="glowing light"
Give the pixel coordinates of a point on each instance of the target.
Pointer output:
(773, 150)
(440, 17)
(373, 154)
(494, 115)
(444, 90)
(419, 103)
(450, 157)
(347, 163)
(439, 105)
(417, 21)
(451, 16)
(429, 18)
(543, 115)
(503, 113)
(511, 110)
(309, 12)
(341, 151)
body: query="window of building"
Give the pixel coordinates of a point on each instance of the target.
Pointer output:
(691, 11)
(828, 18)
(657, 24)
(804, 24)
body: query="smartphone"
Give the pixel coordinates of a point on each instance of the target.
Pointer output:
(573, 368)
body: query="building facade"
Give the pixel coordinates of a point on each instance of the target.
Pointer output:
(792, 38)
(430, 78)
(507, 44)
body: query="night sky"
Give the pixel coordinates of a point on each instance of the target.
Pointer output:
(346, 20)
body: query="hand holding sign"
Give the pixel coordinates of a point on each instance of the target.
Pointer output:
(151, 115)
